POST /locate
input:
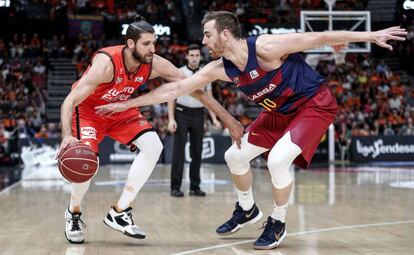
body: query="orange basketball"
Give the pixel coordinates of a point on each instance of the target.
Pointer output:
(78, 163)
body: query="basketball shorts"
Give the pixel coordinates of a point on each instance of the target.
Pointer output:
(123, 127)
(307, 125)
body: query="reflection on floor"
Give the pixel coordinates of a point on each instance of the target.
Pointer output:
(333, 210)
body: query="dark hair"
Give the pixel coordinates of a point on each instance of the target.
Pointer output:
(138, 27)
(224, 20)
(193, 47)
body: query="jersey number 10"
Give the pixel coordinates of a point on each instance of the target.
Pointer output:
(268, 104)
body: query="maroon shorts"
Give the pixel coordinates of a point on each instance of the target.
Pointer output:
(307, 125)
(123, 127)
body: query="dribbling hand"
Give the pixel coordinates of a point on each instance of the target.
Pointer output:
(66, 141)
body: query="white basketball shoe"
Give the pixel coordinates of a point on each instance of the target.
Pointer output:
(123, 223)
(74, 227)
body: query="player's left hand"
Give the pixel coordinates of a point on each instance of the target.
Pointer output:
(110, 109)
(381, 37)
(236, 130)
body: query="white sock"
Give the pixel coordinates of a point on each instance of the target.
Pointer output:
(150, 148)
(279, 212)
(77, 194)
(245, 199)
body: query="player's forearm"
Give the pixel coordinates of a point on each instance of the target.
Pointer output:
(165, 93)
(66, 117)
(215, 107)
(171, 110)
(339, 37)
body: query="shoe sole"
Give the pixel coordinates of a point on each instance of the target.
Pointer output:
(239, 226)
(74, 242)
(109, 224)
(273, 245)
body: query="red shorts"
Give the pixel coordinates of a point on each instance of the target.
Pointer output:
(307, 125)
(123, 127)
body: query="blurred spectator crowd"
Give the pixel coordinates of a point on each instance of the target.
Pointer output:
(372, 99)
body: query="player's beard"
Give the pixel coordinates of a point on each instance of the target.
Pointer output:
(217, 50)
(146, 59)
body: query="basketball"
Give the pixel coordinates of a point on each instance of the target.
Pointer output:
(78, 163)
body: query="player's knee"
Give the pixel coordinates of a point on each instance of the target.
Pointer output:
(150, 144)
(279, 171)
(154, 149)
(237, 163)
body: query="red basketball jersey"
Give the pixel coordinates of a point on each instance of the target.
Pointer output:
(123, 83)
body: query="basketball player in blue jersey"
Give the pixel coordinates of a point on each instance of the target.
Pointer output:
(297, 107)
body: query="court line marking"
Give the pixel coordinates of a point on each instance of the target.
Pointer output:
(298, 234)
(10, 187)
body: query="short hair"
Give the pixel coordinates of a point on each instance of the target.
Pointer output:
(224, 20)
(192, 47)
(138, 27)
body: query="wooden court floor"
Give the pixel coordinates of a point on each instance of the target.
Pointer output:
(336, 210)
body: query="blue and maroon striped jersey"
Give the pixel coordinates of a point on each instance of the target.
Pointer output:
(281, 90)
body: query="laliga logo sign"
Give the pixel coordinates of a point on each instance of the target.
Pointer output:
(408, 5)
(159, 29)
(4, 3)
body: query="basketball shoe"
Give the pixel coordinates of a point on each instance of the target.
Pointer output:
(74, 227)
(273, 234)
(239, 219)
(123, 223)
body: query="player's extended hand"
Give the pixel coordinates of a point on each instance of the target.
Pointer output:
(66, 141)
(236, 130)
(381, 37)
(109, 109)
(172, 126)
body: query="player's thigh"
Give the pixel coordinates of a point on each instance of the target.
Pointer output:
(88, 130)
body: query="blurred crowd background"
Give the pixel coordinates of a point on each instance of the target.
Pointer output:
(375, 91)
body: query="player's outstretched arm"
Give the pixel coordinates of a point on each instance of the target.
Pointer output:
(101, 71)
(281, 45)
(169, 91)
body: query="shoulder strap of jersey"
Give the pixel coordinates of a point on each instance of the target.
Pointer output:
(252, 58)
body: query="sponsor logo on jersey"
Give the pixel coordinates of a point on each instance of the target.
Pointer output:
(118, 80)
(263, 92)
(114, 95)
(254, 74)
(88, 133)
(139, 79)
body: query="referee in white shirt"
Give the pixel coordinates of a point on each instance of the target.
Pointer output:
(186, 116)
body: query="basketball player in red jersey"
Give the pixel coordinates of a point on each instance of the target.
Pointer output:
(298, 107)
(115, 72)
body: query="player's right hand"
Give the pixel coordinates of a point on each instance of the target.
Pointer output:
(172, 126)
(236, 130)
(66, 141)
